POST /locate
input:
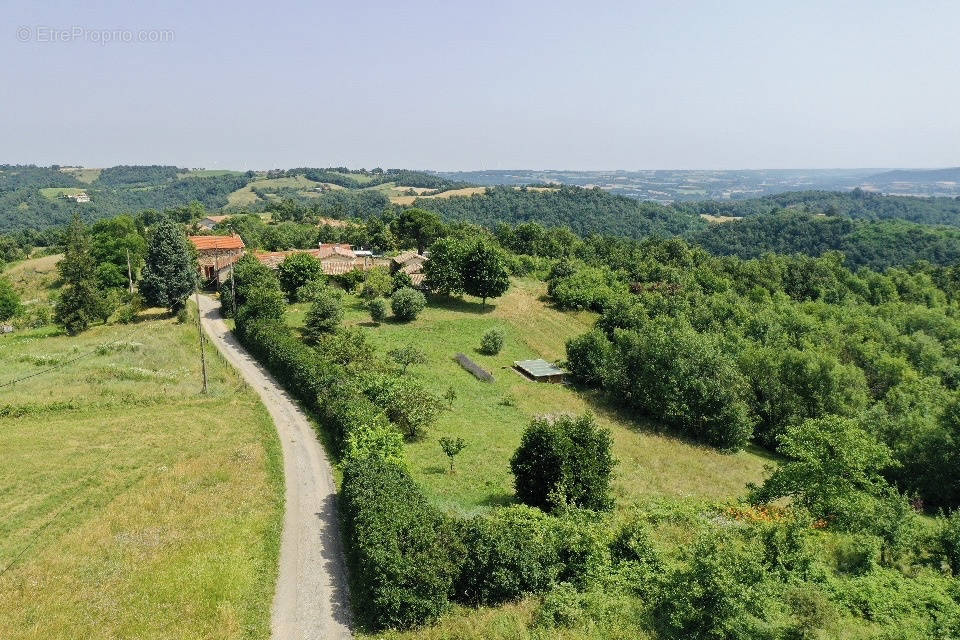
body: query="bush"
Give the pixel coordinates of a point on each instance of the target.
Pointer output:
(492, 341)
(262, 303)
(228, 304)
(686, 379)
(405, 553)
(407, 404)
(310, 291)
(376, 284)
(720, 592)
(564, 462)
(588, 356)
(9, 300)
(950, 541)
(510, 553)
(296, 270)
(378, 310)
(401, 280)
(407, 304)
(324, 315)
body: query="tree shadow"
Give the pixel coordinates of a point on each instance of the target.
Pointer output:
(436, 470)
(500, 499)
(460, 304)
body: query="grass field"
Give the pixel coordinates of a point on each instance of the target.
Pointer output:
(208, 173)
(465, 192)
(83, 174)
(491, 416)
(245, 196)
(133, 506)
(34, 279)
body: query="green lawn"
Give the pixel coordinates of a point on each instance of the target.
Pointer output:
(491, 416)
(245, 196)
(133, 506)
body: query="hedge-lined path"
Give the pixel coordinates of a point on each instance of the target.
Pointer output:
(312, 598)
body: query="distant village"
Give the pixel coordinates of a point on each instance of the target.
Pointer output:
(216, 255)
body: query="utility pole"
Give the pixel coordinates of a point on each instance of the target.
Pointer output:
(129, 272)
(203, 356)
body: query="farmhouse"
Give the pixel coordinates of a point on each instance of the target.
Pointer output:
(211, 221)
(336, 259)
(77, 197)
(215, 253)
(411, 263)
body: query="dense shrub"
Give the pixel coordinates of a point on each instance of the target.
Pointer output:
(376, 284)
(405, 554)
(378, 310)
(563, 462)
(407, 304)
(296, 270)
(510, 553)
(324, 315)
(588, 357)
(950, 540)
(407, 404)
(262, 303)
(721, 592)
(9, 300)
(671, 373)
(492, 341)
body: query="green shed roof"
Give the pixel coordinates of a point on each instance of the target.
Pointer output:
(539, 368)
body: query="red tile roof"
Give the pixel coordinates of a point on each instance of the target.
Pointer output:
(207, 243)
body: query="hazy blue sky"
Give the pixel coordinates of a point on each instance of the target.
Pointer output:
(470, 85)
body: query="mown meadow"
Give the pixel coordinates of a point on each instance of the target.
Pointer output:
(133, 506)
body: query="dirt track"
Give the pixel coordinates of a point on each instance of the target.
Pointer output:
(311, 599)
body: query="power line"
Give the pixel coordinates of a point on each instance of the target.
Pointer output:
(36, 534)
(71, 360)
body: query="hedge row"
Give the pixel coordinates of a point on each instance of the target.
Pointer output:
(405, 553)
(409, 560)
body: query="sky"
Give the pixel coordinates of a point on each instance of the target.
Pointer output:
(482, 85)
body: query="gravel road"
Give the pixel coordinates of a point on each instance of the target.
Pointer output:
(312, 599)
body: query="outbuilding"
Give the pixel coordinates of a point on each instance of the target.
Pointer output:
(541, 371)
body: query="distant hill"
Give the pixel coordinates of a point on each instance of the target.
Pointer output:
(866, 243)
(951, 174)
(857, 204)
(34, 197)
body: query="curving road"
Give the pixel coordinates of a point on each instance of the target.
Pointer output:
(312, 599)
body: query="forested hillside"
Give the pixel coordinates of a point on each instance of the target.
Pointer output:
(853, 204)
(584, 211)
(874, 244)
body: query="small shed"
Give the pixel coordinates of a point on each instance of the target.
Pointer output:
(541, 371)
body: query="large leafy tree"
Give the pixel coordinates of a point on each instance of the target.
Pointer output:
(296, 270)
(417, 228)
(9, 300)
(114, 241)
(833, 469)
(81, 302)
(170, 273)
(484, 271)
(563, 462)
(444, 270)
